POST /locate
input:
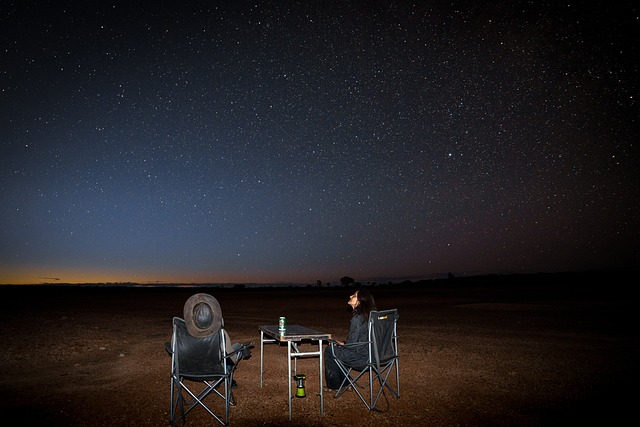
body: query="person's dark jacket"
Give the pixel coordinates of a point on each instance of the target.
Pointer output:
(358, 333)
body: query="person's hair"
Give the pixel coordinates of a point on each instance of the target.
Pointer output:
(367, 303)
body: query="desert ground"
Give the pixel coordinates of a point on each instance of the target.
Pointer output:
(531, 350)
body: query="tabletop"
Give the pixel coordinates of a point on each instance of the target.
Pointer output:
(294, 333)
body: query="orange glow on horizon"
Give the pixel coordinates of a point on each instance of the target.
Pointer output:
(39, 275)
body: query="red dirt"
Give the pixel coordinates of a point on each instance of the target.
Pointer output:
(471, 354)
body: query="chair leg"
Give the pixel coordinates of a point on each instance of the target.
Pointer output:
(171, 404)
(383, 378)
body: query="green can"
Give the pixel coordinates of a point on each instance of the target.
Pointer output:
(282, 324)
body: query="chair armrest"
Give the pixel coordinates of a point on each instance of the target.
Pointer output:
(333, 344)
(355, 344)
(242, 351)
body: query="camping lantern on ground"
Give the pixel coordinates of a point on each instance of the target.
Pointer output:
(299, 378)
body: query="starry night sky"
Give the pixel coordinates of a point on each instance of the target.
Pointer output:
(282, 141)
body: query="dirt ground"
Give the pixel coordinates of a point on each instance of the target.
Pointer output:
(491, 352)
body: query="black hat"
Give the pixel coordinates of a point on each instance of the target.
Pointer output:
(202, 315)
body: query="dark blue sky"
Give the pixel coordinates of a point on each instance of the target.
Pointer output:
(286, 141)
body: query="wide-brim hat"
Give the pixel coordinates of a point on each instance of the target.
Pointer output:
(202, 315)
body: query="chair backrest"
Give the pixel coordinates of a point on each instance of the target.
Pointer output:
(198, 356)
(383, 337)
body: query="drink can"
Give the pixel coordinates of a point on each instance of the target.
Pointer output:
(282, 323)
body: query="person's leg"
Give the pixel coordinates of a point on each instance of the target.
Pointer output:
(332, 373)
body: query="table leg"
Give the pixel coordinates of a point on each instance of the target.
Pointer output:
(289, 375)
(261, 354)
(320, 376)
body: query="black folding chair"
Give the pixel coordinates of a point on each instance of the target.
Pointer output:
(201, 368)
(381, 369)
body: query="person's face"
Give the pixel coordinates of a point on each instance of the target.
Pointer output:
(353, 300)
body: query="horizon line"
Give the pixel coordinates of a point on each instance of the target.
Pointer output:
(385, 281)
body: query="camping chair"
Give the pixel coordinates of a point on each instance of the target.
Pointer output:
(200, 363)
(381, 364)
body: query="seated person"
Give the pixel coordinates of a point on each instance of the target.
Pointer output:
(349, 351)
(203, 318)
